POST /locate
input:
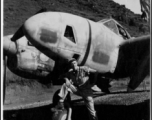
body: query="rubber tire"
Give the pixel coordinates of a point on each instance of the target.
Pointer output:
(60, 115)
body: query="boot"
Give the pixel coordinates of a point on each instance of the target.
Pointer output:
(95, 88)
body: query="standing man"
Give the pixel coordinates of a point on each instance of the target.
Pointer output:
(77, 82)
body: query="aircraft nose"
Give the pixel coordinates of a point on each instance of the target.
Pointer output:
(30, 27)
(41, 30)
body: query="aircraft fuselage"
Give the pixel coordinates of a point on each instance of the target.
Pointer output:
(66, 36)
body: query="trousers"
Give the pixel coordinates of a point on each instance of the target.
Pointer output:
(85, 92)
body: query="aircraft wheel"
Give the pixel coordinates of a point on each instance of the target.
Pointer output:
(60, 115)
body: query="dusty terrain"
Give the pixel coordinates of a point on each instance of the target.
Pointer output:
(17, 11)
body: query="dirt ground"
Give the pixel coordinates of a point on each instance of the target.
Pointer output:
(34, 95)
(117, 105)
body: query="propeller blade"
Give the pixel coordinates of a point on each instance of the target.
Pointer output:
(19, 33)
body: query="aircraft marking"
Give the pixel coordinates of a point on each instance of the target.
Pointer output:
(48, 36)
(100, 57)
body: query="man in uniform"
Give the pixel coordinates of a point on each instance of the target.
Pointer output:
(77, 82)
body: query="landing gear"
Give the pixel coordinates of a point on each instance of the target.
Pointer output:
(103, 84)
(62, 114)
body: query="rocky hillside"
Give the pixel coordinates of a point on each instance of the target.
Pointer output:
(17, 11)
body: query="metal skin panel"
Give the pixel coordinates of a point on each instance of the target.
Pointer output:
(104, 48)
(80, 28)
(53, 21)
(80, 35)
(99, 44)
(48, 35)
(44, 33)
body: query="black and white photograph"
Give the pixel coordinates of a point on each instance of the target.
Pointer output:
(76, 59)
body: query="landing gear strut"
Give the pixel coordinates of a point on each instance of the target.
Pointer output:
(64, 114)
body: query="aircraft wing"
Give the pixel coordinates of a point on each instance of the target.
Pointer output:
(136, 47)
(134, 60)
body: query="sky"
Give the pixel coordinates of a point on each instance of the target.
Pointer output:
(133, 5)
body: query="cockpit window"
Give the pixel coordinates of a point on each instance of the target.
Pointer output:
(116, 28)
(111, 24)
(69, 33)
(122, 32)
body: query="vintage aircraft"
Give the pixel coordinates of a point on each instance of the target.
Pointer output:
(29, 62)
(62, 36)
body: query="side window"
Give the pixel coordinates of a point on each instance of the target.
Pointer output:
(69, 33)
(122, 32)
(111, 25)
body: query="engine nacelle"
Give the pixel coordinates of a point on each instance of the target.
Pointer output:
(25, 60)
